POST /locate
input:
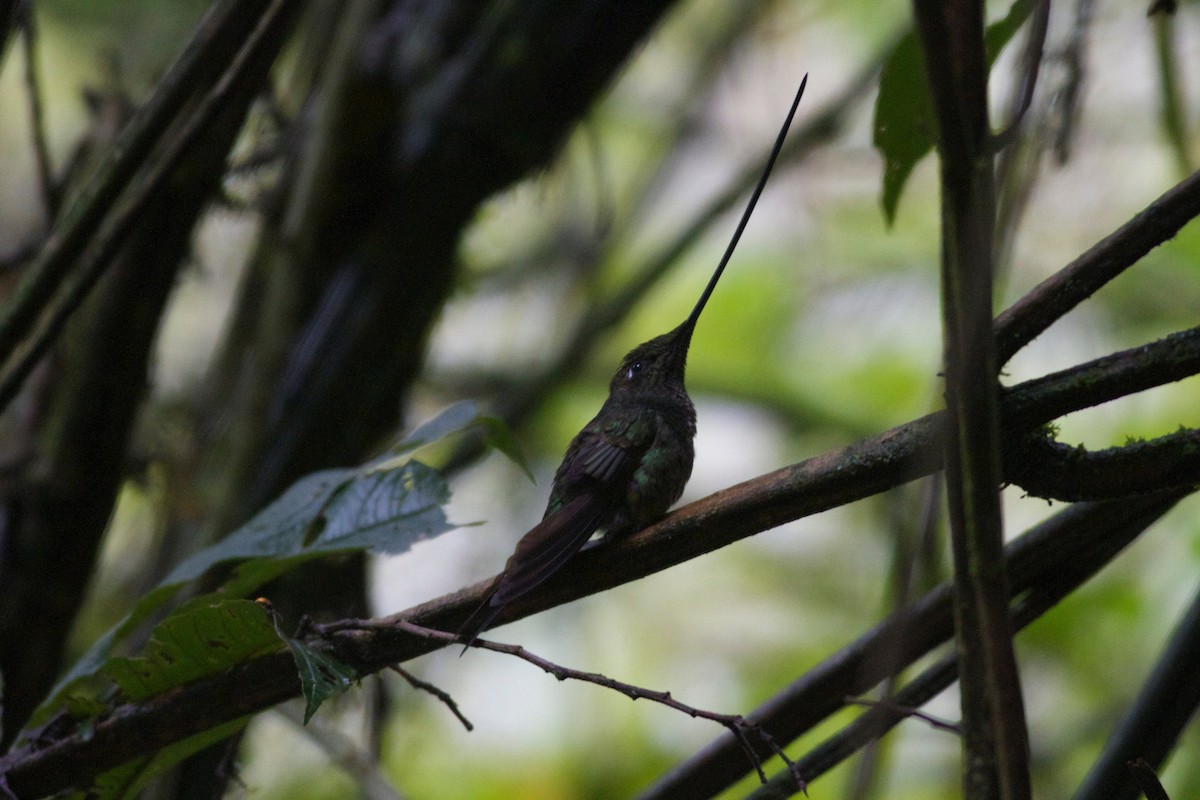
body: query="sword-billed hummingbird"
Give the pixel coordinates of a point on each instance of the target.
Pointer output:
(631, 462)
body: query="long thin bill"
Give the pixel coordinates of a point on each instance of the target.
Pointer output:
(737, 234)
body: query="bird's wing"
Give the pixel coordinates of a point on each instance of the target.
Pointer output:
(591, 479)
(604, 456)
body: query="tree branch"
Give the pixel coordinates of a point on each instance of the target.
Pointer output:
(812, 486)
(817, 484)
(1046, 303)
(1038, 401)
(249, 65)
(1153, 724)
(1059, 552)
(995, 741)
(219, 36)
(737, 725)
(1147, 780)
(1045, 468)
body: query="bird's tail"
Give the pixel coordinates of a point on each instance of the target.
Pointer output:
(468, 632)
(540, 553)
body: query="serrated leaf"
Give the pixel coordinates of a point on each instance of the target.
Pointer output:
(386, 512)
(403, 506)
(203, 637)
(321, 676)
(385, 505)
(76, 691)
(277, 530)
(905, 126)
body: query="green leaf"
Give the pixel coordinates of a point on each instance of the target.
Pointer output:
(454, 419)
(76, 687)
(277, 530)
(128, 780)
(336, 511)
(905, 125)
(321, 676)
(206, 636)
(500, 437)
(384, 506)
(203, 637)
(385, 511)
(905, 129)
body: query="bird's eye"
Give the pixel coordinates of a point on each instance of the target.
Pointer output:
(634, 369)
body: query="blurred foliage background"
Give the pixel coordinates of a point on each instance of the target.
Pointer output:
(824, 330)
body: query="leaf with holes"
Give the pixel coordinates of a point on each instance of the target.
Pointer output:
(384, 506)
(201, 638)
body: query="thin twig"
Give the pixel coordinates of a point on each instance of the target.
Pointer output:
(426, 686)
(908, 711)
(736, 724)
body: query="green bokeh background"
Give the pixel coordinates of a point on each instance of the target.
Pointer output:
(825, 329)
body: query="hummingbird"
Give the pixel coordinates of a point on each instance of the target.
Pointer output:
(631, 462)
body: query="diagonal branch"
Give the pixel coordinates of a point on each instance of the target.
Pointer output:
(219, 36)
(1050, 586)
(262, 44)
(1059, 552)
(1046, 303)
(818, 484)
(1153, 724)
(1045, 468)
